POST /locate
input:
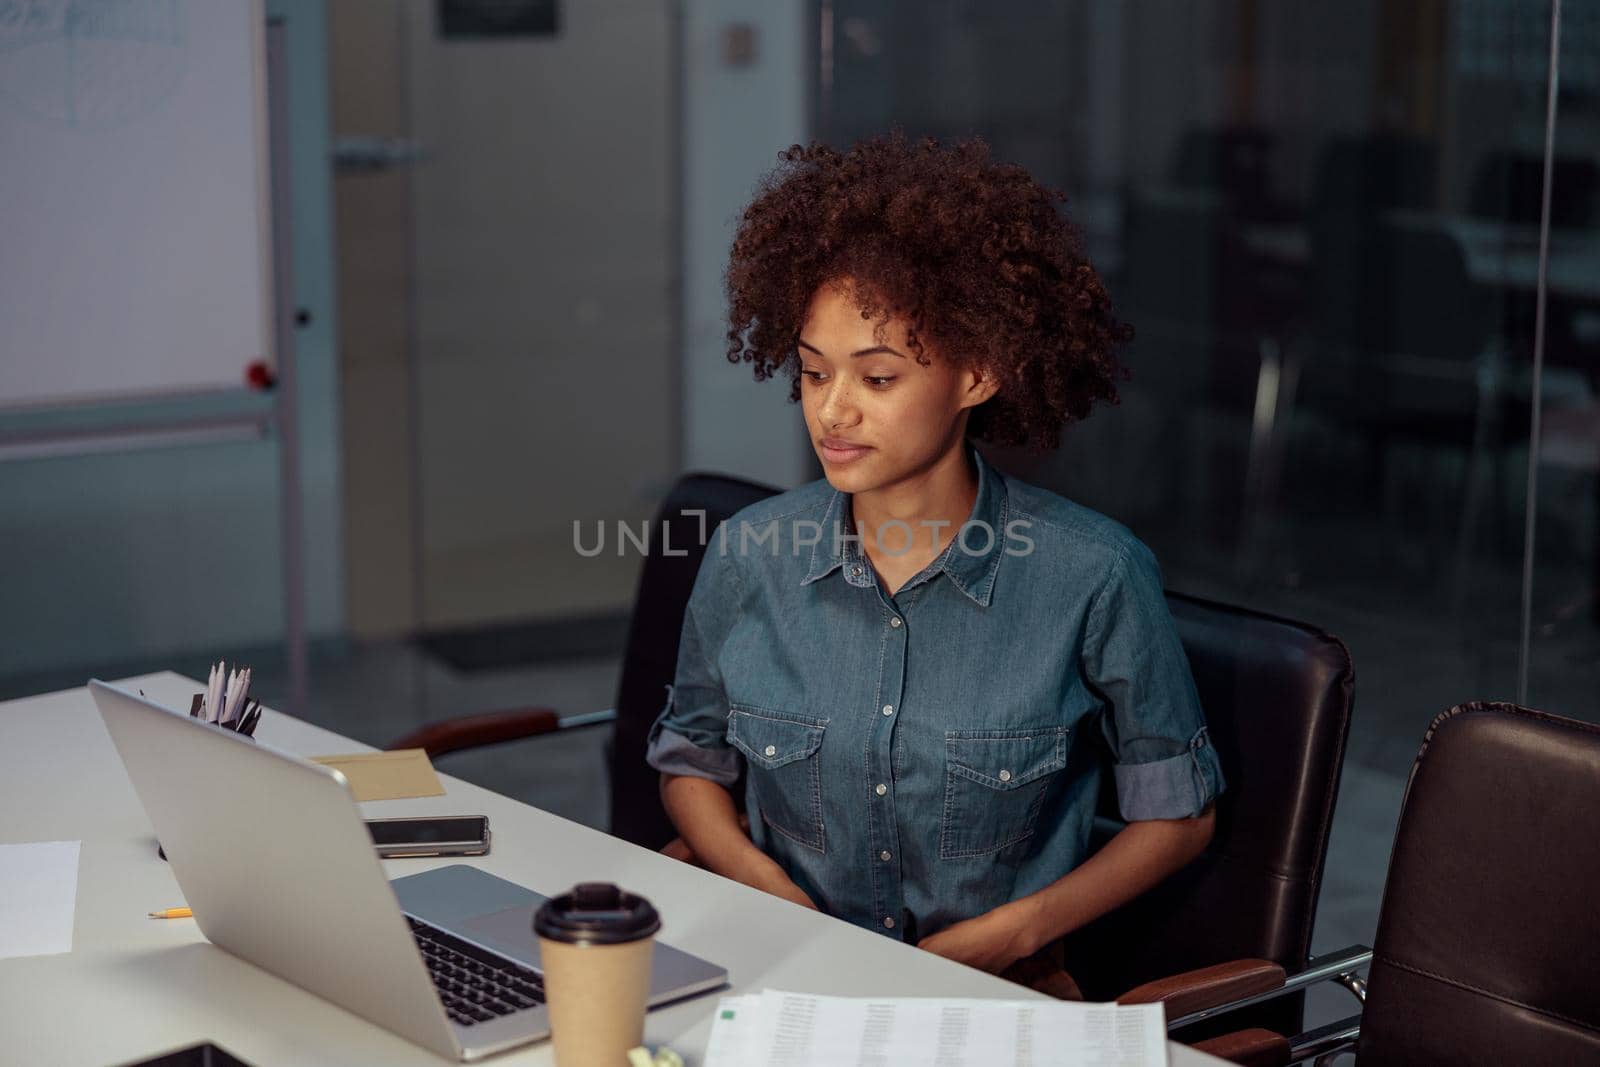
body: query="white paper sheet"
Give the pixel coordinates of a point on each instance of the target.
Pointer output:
(38, 894)
(775, 1029)
(734, 1032)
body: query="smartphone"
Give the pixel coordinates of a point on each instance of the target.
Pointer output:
(431, 835)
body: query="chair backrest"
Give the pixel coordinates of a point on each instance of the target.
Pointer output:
(1236, 161)
(1489, 930)
(1398, 324)
(1277, 696)
(651, 654)
(1392, 288)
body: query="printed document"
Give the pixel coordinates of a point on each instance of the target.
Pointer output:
(776, 1029)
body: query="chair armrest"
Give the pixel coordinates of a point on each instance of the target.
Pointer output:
(470, 731)
(1263, 1048)
(1208, 987)
(491, 728)
(1334, 966)
(1248, 1048)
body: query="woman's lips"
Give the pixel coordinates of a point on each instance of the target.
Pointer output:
(840, 452)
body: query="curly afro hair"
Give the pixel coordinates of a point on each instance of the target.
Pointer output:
(973, 254)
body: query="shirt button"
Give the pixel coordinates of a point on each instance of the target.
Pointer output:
(888, 922)
(885, 855)
(882, 789)
(895, 622)
(888, 709)
(772, 750)
(1005, 776)
(855, 572)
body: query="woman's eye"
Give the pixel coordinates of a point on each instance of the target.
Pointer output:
(878, 382)
(814, 375)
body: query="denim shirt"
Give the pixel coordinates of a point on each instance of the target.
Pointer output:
(919, 759)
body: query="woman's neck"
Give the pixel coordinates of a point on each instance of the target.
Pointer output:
(932, 503)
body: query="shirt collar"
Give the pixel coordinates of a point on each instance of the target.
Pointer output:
(970, 561)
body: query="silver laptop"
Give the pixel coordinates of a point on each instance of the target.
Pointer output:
(445, 958)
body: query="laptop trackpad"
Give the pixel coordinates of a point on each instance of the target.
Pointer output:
(509, 932)
(673, 972)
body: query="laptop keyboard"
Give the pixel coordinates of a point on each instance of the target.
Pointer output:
(475, 985)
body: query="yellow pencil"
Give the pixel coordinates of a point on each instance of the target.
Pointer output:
(172, 913)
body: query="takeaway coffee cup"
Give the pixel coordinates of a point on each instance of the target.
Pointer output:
(594, 945)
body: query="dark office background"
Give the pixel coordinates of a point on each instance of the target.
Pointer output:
(1323, 219)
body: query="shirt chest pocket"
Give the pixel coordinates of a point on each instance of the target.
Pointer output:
(995, 784)
(785, 769)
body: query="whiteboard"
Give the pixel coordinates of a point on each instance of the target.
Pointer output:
(134, 233)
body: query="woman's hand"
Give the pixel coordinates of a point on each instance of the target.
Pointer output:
(990, 942)
(781, 885)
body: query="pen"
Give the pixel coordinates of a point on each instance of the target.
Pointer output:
(214, 693)
(172, 913)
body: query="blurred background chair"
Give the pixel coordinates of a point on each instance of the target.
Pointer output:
(1488, 935)
(1404, 354)
(1235, 161)
(1214, 315)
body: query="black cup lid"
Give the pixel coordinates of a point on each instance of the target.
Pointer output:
(596, 913)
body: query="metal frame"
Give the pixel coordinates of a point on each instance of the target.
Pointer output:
(287, 401)
(1326, 1043)
(130, 435)
(587, 718)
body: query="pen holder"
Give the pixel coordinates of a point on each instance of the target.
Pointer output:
(244, 726)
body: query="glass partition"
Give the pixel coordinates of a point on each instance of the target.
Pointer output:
(1323, 222)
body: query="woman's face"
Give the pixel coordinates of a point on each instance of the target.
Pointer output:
(876, 416)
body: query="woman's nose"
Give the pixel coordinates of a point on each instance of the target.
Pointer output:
(837, 408)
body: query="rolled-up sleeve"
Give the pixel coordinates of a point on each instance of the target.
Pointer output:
(690, 735)
(1165, 765)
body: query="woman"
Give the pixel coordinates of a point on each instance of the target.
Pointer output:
(922, 664)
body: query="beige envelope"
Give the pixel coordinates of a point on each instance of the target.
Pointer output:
(394, 775)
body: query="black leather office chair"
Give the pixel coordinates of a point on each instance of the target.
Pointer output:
(1488, 932)
(1278, 696)
(652, 650)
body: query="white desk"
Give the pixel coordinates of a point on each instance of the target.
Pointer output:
(133, 986)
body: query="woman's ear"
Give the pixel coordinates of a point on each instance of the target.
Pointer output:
(977, 385)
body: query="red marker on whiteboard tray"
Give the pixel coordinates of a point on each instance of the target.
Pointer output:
(258, 375)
